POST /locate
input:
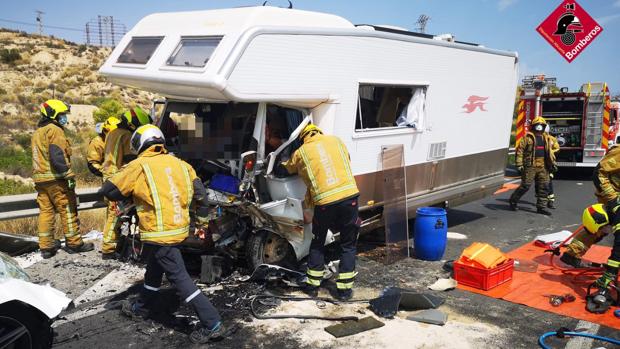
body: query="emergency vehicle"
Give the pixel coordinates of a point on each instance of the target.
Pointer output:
(584, 122)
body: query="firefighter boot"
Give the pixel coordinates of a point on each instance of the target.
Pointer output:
(204, 335)
(51, 252)
(83, 247)
(543, 211)
(345, 295)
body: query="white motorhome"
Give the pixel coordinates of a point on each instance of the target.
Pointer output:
(248, 79)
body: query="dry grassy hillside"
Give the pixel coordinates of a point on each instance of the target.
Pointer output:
(32, 68)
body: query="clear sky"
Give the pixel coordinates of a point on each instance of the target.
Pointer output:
(501, 24)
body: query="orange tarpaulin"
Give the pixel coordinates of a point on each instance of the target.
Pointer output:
(529, 288)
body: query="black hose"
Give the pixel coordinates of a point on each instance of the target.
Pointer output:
(299, 316)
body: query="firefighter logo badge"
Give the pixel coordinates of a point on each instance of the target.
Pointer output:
(473, 103)
(569, 29)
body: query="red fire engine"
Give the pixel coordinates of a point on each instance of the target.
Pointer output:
(584, 122)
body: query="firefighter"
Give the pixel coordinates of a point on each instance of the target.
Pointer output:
(54, 181)
(596, 226)
(94, 152)
(555, 147)
(163, 187)
(324, 164)
(117, 153)
(534, 161)
(607, 183)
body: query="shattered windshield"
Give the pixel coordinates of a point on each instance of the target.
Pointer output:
(9, 269)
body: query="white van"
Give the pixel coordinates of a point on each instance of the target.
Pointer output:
(246, 81)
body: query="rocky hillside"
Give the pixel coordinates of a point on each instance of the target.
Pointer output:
(33, 67)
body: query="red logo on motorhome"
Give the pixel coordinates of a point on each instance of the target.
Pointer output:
(474, 102)
(569, 29)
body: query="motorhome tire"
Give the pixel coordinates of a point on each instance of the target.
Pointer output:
(32, 329)
(265, 247)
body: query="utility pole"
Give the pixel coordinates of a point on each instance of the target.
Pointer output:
(421, 23)
(40, 20)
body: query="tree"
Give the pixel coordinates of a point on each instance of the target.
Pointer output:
(107, 107)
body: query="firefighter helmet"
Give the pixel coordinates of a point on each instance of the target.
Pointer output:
(539, 124)
(52, 108)
(145, 136)
(594, 218)
(309, 129)
(136, 117)
(110, 124)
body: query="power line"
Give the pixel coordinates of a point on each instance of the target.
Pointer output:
(36, 25)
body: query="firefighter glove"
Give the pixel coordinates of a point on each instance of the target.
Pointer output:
(202, 216)
(71, 183)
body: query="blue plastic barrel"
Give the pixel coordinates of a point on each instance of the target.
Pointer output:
(431, 233)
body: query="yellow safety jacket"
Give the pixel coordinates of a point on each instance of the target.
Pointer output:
(525, 152)
(94, 154)
(607, 176)
(323, 163)
(51, 153)
(116, 151)
(161, 187)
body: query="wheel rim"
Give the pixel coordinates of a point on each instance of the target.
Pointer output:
(275, 249)
(14, 334)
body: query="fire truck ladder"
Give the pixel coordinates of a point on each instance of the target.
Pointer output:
(594, 115)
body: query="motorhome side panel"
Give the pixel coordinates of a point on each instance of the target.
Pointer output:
(469, 103)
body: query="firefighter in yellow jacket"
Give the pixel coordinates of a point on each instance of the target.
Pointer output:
(94, 152)
(162, 187)
(323, 163)
(96, 147)
(117, 153)
(54, 181)
(533, 159)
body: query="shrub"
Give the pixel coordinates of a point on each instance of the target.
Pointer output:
(2, 91)
(15, 161)
(107, 107)
(82, 48)
(9, 56)
(10, 187)
(24, 140)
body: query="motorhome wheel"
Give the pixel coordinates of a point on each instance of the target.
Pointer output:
(265, 247)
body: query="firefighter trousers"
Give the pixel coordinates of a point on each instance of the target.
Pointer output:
(540, 176)
(168, 260)
(110, 233)
(53, 198)
(338, 217)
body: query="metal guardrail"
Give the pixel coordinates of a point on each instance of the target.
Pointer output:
(25, 205)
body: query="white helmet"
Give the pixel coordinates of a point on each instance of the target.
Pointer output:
(99, 128)
(145, 136)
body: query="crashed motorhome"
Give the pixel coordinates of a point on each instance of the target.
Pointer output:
(240, 84)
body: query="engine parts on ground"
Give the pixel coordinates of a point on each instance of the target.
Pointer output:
(393, 299)
(271, 273)
(557, 300)
(352, 327)
(430, 316)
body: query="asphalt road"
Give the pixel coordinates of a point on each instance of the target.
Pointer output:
(487, 220)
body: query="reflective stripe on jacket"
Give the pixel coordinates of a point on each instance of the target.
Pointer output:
(51, 153)
(323, 162)
(526, 149)
(161, 187)
(94, 154)
(607, 175)
(116, 151)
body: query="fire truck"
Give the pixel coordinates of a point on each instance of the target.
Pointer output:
(584, 122)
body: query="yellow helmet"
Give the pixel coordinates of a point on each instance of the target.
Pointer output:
(309, 129)
(110, 124)
(54, 107)
(594, 218)
(539, 120)
(136, 117)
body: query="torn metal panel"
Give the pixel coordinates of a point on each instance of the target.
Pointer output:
(15, 245)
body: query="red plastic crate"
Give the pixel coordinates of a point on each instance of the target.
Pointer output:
(484, 279)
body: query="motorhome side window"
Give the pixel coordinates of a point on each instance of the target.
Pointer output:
(139, 50)
(384, 106)
(194, 52)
